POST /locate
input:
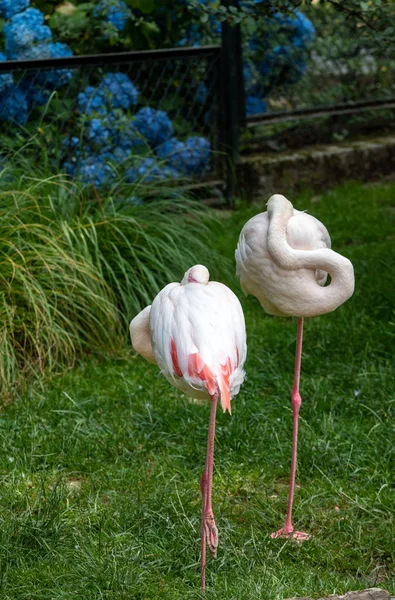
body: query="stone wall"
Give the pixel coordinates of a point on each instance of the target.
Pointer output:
(316, 167)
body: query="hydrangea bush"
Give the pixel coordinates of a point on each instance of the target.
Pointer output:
(111, 135)
(116, 129)
(113, 138)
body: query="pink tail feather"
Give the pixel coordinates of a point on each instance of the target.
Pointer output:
(197, 368)
(225, 397)
(224, 386)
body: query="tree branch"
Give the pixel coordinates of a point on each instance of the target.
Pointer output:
(353, 12)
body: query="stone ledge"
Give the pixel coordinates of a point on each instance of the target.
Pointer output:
(315, 167)
(369, 594)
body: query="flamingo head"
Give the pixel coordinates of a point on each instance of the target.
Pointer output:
(279, 204)
(196, 274)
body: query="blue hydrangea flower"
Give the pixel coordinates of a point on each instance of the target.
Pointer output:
(92, 100)
(205, 2)
(9, 8)
(170, 150)
(6, 79)
(305, 31)
(300, 28)
(215, 26)
(70, 144)
(149, 170)
(115, 154)
(193, 31)
(99, 131)
(55, 78)
(193, 36)
(126, 136)
(154, 125)
(243, 3)
(119, 90)
(13, 105)
(201, 93)
(191, 157)
(92, 170)
(115, 12)
(24, 30)
(196, 156)
(255, 106)
(35, 96)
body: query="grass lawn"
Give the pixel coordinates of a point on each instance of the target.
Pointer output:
(99, 489)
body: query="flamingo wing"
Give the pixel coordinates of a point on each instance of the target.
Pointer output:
(305, 232)
(141, 335)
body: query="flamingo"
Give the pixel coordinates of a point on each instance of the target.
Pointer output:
(283, 258)
(195, 333)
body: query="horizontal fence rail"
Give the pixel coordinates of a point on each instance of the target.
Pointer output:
(113, 58)
(334, 109)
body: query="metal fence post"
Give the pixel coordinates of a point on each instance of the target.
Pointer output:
(233, 99)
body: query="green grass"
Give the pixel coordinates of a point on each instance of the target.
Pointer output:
(99, 494)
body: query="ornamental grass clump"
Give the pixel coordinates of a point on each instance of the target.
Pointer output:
(74, 267)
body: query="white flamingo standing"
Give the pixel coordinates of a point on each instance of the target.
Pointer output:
(283, 258)
(195, 332)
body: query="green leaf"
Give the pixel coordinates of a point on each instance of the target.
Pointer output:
(150, 27)
(87, 6)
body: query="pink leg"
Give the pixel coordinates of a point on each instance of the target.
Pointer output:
(203, 489)
(209, 529)
(288, 530)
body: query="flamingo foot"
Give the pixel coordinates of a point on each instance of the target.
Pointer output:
(211, 534)
(290, 533)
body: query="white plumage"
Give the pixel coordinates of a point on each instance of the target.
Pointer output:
(283, 257)
(195, 332)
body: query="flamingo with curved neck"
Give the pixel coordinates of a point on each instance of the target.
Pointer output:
(283, 258)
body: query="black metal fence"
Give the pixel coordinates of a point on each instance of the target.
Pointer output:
(156, 114)
(185, 113)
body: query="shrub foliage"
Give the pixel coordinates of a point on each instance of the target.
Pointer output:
(72, 276)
